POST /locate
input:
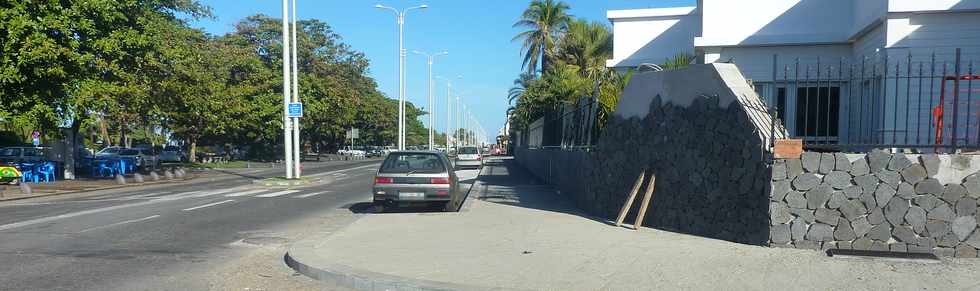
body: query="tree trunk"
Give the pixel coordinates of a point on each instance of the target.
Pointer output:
(105, 132)
(192, 154)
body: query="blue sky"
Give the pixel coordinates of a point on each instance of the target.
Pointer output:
(477, 35)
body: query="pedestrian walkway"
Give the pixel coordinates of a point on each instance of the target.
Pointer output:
(520, 234)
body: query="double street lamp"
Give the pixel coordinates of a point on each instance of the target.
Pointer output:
(400, 17)
(432, 108)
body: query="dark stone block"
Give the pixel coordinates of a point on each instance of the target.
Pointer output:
(913, 174)
(879, 246)
(869, 200)
(779, 190)
(818, 196)
(828, 216)
(798, 229)
(820, 232)
(963, 226)
(780, 234)
(972, 185)
(881, 232)
(868, 183)
(906, 191)
(943, 252)
(965, 251)
(844, 231)
(898, 162)
(927, 202)
(966, 206)
(937, 229)
(779, 170)
(927, 242)
(916, 217)
(931, 163)
(811, 162)
(860, 167)
(929, 186)
(876, 217)
(904, 234)
(794, 167)
(836, 200)
(838, 179)
(827, 163)
(890, 178)
(941, 212)
(853, 191)
(895, 210)
(779, 213)
(806, 182)
(852, 209)
(878, 160)
(863, 244)
(883, 195)
(841, 163)
(953, 193)
(805, 214)
(795, 199)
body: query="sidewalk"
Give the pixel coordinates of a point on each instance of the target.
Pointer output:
(517, 234)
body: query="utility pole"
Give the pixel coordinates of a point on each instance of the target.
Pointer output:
(400, 17)
(297, 151)
(432, 105)
(287, 126)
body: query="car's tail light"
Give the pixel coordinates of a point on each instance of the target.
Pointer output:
(440, 181)
(383, 180)
(442, 192)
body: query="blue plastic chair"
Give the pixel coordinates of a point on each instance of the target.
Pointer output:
(27, 172)
(102, 168)
(46, 169)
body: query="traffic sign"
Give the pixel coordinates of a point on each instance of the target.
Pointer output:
(295, 109)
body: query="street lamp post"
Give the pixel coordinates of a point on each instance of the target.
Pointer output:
(287, 128)
(297, 151)
(400, 17)
(432, 108)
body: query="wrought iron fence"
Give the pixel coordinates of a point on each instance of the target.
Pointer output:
(921, 104)
(570, 126)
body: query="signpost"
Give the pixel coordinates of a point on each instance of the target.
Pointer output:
(295, 109)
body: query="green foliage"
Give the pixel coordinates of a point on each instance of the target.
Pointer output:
(544, 20)
(678, 61)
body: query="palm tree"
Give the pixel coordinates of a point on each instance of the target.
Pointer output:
(544, 20)
(521, 84)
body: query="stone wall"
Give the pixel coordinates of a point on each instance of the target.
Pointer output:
(706, 142)
(878, 201)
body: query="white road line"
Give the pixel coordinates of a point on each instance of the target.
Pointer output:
(342, 170)
(275, 194)
(73, 214)
(178, 195)
(119, 223)
(208, 205)
(250, 192)
(310, 194)
(223, 191)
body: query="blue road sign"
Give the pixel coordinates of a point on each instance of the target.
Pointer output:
(295, 109)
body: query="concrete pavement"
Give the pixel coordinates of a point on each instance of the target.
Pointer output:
(166, 237)
(515, 233)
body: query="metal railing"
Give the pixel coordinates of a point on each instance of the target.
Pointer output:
(920, 104)
(571, 126)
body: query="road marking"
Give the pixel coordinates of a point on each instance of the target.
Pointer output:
(250, 192)
(205, 194)
(310, 194)
(73, 214)
(342, 170)
(179, 195)
(208, 205)
(119, 223)
(276, 194)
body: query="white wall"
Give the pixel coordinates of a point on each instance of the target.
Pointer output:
(866, 12)
(768, 22)
(931, 5)
(652, 35)
(756, 62)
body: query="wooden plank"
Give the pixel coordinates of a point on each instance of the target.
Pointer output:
(629, 201)
(646, 202)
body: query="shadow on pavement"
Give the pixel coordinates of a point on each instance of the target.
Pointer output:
(368, 207)
(508, 183)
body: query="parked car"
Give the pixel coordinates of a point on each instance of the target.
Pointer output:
(348, 151)
(23, 154)
(143, 158)
(469, 157)
(416, 177)
(172, 154)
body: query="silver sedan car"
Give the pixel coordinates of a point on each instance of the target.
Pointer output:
(409, 177)
(469, 157)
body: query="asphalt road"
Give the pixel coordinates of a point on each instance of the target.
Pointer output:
(161, 237)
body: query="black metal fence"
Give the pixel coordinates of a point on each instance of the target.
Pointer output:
(570, 126)
(919, 103)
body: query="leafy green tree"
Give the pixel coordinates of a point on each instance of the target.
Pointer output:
(545, 20)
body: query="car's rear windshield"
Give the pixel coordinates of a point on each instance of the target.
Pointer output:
(468, 151)
(413, 163)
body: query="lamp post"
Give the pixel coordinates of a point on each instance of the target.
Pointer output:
(400, 17)
(432, 108)
(286, 125)
(297, 151)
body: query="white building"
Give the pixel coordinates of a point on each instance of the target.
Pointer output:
(780, 44)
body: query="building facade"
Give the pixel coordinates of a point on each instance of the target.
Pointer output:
(838, 72)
